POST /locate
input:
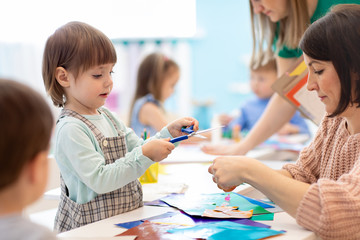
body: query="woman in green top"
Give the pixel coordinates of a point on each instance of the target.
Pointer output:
(277, 28)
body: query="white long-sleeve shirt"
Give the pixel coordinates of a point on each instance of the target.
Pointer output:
(82, 163)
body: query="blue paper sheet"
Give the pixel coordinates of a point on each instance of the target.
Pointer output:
(225, 230)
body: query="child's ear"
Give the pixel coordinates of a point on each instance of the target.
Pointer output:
(62, 77)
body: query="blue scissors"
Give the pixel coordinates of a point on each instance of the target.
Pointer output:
(192, 133)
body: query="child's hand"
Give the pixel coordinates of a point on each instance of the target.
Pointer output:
(175, 127)
(225, 119)
(289, 128)
(157, 149)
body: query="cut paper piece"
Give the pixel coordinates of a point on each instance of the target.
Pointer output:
(225, 230)
(298, 70)
(227, 198)
(257, 202)
(148, 230)
(195, 205)
(129, 225)
(157, 203)
(132, 224)
(292, 87)
(263, 217)
(227, 212)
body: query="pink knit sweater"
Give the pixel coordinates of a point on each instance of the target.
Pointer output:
(331, 206)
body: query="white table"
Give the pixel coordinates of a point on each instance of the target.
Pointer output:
(193, 178)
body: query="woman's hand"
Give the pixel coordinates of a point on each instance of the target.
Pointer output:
(175, 126)
(230, 172)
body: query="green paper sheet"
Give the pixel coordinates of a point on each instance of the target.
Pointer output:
(195, 205)
(263, 217)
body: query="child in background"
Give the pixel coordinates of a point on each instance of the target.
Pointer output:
(100, 159)
(261, 80)
(156, 79)
(26, 124)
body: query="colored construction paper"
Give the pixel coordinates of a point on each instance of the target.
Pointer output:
(263, 217)
(184, 219)
(132, 224)
(254, 201)
(148, 230)
(129, 225)
(157, 203)
(298, 70)
(225, 230)
(195, 205)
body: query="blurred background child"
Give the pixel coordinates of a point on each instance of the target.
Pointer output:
(156, 79)
(261, 80)
(26, 124)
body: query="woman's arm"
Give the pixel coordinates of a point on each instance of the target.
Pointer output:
(279, 186)
(278, 112)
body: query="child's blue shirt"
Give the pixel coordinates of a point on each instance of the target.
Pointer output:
(135, 124)
(251, 111)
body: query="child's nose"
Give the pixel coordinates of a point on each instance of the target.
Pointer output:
(109, 81)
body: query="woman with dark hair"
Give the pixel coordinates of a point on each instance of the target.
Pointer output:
(321, 189)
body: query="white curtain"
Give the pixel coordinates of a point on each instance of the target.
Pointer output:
(23, 62)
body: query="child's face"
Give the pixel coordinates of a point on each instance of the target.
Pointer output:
(261, 81)
(90, 90)
(169, 84)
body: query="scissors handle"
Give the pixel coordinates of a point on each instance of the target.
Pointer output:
(177, 139)
(188, 130)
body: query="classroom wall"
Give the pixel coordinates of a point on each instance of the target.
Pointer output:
(214, 69)
(220, 57)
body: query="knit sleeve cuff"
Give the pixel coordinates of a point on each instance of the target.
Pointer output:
(309, 211)
(295, 172)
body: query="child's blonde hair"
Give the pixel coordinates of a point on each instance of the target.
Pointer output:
(76, 47)
(26, 124)
(263, 63)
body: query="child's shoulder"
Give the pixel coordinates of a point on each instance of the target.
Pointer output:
(66, 121)
(110, 114)
(113, 116)
(17, 227)
(149, 98)
(69, 126)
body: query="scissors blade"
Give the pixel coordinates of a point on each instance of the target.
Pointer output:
(209, 129)
(199, 136)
